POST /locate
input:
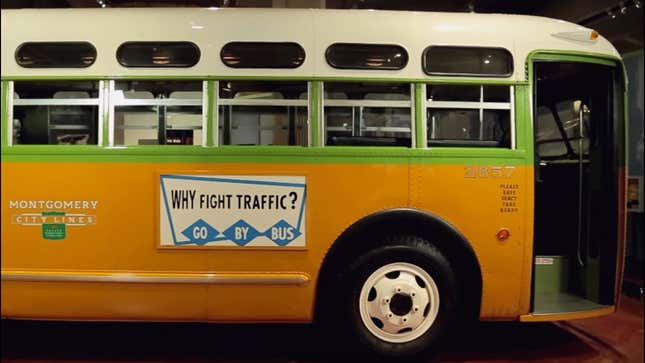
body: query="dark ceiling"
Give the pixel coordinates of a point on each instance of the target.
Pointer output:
(623, 28)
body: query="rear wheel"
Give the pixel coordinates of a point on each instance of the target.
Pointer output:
(401, 297)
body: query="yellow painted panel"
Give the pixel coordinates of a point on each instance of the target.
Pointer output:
(123, 238)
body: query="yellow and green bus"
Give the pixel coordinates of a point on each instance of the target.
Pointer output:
(388, 174)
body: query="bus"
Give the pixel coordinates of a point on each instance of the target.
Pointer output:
(389, 175)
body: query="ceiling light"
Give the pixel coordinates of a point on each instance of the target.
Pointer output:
(622, 7)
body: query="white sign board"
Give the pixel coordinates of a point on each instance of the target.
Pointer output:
(231, 210)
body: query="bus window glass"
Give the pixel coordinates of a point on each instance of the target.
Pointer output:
(262, 55)
(263, 113)
(367, 114)
(56, 55)
(158, 54)
(157, 112)
(366, 56)
(476, 116)
(55, 112)
(457, 92)
(467, 61)
(550, 141)
(496, 94)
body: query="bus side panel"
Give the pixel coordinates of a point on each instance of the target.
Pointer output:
(480, 201)
(122, 240)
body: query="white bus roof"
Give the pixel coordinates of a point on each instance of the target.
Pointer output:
(314, 30)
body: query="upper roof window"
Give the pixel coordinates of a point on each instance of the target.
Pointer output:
(158, 54)
(262, 55)
(366, 56)
(55, 55)
(467, 61)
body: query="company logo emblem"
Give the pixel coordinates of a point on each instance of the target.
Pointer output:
(53, 223)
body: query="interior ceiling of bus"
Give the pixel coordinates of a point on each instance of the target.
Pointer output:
(619, 21)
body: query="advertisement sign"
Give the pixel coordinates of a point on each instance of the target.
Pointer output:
(231, 210)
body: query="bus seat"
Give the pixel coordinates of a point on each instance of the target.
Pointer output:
(368, 141)
(71, 95)
(186, 95)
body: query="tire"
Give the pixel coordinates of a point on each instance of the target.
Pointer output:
(391, 295)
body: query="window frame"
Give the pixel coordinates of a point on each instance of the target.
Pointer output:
(114, 101)
(480, 105)
(130, 42)
(268, 102)
(368, 103)
(22, 45)
(99, 102)
(331, 64)
(424, 58)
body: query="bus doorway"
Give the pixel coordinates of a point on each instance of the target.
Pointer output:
(578, 146)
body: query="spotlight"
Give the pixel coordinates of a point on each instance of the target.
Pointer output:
(622, 8)
(637, 4)
(611, 14)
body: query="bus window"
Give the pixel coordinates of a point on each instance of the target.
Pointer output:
(157, 112)
(263, 113)
(467, 61)
(469, 115)
(158, 54)
(56, 55)
(367, 114)
(55, 112)
(262, 55)
(366, 56)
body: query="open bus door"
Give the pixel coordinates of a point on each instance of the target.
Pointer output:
(579, 171)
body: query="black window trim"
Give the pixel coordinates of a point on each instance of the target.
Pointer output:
(68, 42)
(405, 64)
(488, 75)
(160, 42)
(221, 53)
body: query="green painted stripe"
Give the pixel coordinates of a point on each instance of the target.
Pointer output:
(574, 58)
(567, 56)
(4, 125)
(523, 124)
(211, 113)
(264, 154)
(315, 111)
(419, 115)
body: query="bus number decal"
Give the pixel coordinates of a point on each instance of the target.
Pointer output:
(231, 210)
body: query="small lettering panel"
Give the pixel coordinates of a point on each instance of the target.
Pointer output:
(232, 210)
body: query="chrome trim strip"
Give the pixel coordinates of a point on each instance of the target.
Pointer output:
(206, 278)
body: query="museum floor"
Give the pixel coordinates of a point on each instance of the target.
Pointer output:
(616, 338)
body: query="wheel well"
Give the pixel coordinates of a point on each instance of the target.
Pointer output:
(366, 233)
